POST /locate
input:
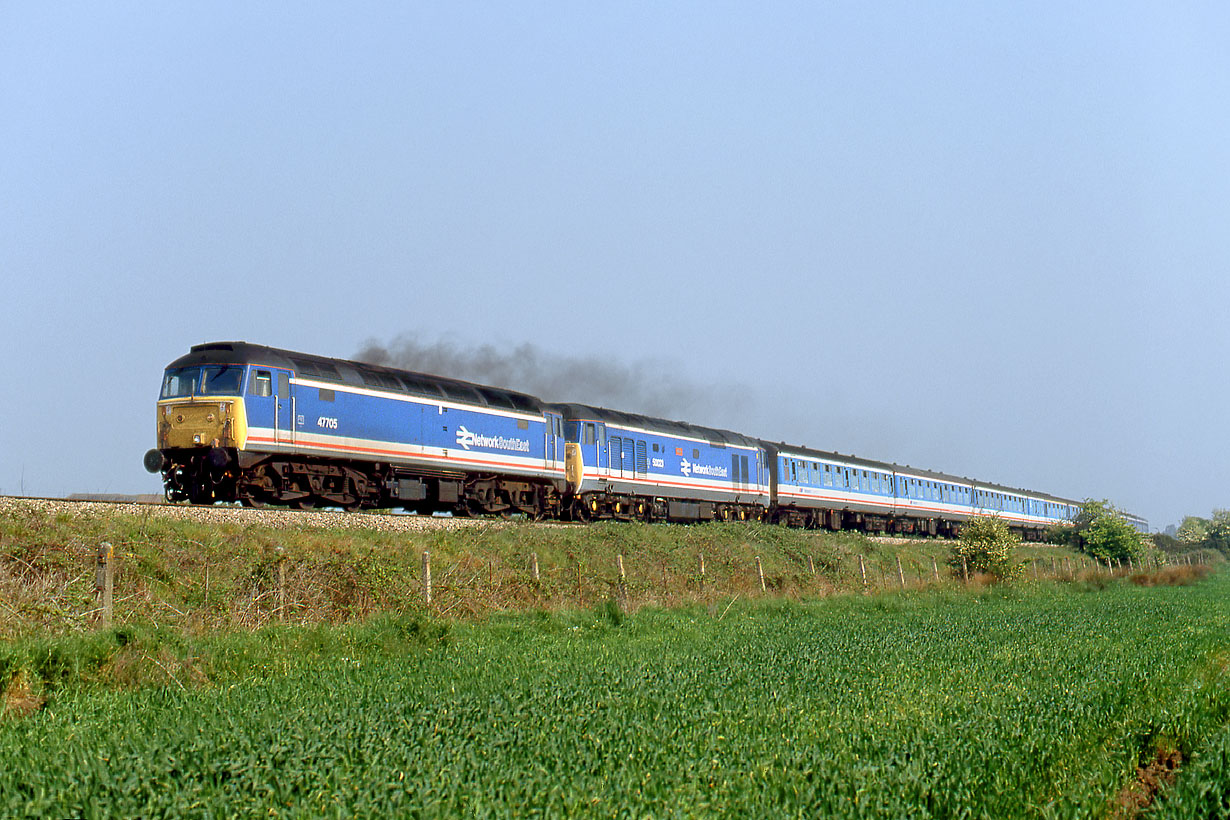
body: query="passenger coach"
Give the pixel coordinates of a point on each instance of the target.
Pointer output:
(624, 465)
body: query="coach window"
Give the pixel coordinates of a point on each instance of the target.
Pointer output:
(828, 476)
(261, 383)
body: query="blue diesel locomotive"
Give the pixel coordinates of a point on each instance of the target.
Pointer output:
(241, 422)
(258, 425)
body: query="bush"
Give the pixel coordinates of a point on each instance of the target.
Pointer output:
(1104, 534)
(986, 545)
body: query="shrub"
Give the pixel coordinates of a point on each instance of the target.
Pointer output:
(1104, 534)
(986, 545)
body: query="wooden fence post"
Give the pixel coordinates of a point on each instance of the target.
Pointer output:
(760, 573)
(701, 568)
(622, 591)
(900, 572)
(281, 553)
(811, 565)
(964, 570)
(935, 569)
(104, 582)
(426, 576)
(534, 568)
(862, 567)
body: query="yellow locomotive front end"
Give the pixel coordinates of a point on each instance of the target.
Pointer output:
(201, 422)
(201, 426)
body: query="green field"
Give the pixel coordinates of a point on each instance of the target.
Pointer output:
(1036, 701)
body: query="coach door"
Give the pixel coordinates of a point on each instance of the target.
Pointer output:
(284, 421)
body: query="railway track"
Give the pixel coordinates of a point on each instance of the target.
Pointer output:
(217, 514)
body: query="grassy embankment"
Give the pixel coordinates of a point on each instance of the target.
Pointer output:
(235, 575)
(187, 593)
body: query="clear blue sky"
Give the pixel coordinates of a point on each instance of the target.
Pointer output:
(989, 239)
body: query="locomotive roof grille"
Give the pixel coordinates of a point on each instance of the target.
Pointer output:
(344, 371)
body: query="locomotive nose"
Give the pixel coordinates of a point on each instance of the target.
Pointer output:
(154, 461)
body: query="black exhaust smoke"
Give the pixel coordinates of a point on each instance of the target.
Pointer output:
(650, 387)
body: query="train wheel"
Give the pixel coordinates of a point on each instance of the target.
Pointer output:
(304, 504)
(580, 512)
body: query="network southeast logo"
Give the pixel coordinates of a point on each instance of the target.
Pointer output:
(467, 440)
(687, 468)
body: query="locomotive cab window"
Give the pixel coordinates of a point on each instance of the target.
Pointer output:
(225, 380)
(179, 383)
(590, 433)
(261, 383)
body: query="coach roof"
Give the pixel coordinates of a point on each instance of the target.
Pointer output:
(585, 412)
